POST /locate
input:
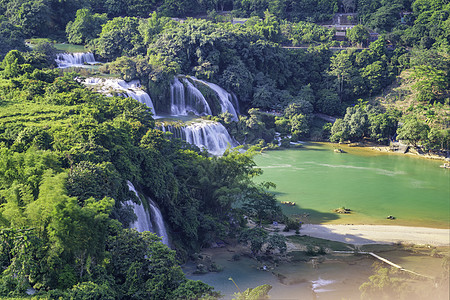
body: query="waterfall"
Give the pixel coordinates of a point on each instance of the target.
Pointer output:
(224, 97)
(143, 222)
(79, 59)
(146, 221)
(177, 131)
(204, 134)
(235, 103)
(132, 89)
(196, 101)
(210, 135)
(177, 99)
(160, 228)
(187, 100)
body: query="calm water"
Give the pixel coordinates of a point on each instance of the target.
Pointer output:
(372, 184)
(338, 277)
(331, 280)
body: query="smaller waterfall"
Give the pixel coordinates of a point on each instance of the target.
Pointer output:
(204, 134)
(78, 59)
(177, 131)
(146, 221)
(235, 103)
(177, 99)
(132, 89)
(196, 102)
(187, 100)
(160, 228)
(143, 222)
(224, 97)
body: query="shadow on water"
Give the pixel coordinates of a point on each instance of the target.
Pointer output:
(307, 215)
(276, 193)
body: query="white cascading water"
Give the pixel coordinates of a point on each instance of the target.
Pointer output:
(143, 222)
(132, 89)
(187, 100)
(195, 99)
(235, 103)
(224, 97)
(78, 59)
(177, 99)
(146, 221)
(210, 135)
(157, 218)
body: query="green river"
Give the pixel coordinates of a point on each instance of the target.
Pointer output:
(373, 184)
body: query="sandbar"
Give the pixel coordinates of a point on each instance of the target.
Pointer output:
(378, 234)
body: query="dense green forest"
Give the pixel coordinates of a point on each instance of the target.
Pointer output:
(66, 155)
(67, 152)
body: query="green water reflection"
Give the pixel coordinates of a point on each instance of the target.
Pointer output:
(373, 184)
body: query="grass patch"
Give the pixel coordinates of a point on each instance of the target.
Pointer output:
(70, 47)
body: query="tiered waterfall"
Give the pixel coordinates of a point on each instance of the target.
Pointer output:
(78, 59)
(130, 89)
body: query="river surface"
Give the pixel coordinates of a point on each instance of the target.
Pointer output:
(336, 277)
(373, 184)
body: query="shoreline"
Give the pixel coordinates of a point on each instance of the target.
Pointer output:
(386, 149)
(378, 234)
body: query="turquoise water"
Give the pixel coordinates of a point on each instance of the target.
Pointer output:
(372, 184)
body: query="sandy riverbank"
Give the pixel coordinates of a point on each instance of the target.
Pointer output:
(373, 234)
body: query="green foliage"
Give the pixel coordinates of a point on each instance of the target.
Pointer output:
(302, 33)
(91, 290)
(131, 8)
(364, 120)
(256, 237)
(85, 27)
(119, 36)
(191, 290)
(269, 27)
(142, 266)
(31, 16)
(257, 293)
(293, 10)
(11, 64)
(11, 37)
(277, 241)
(382, 285)
(358, 35)
(413, 130)
(87, 180)
(431, 83)
(261, 205)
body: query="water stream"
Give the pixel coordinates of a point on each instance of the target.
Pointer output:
(77, 59)
(210, 135)
(130, 89)
(148, 221)
(224, 97)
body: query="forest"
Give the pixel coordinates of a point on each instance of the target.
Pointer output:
(67, 152)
